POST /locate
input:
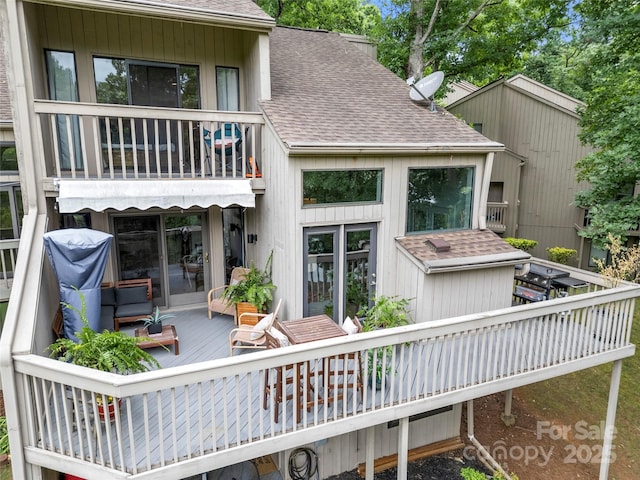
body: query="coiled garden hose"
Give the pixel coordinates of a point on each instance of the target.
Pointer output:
(303, 464)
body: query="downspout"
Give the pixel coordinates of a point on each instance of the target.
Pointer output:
(12, 18)
(484, 191)
(485, 457)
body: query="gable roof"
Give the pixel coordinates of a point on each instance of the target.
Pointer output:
(327, 95)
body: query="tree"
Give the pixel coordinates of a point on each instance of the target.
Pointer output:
(611, 121)
(345, 16)
(479, 40)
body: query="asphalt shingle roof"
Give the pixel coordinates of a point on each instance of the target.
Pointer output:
(481, 245)
(231, 7)
(6, 114)
(326, 90)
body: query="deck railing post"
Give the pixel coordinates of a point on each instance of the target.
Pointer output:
(610, 421)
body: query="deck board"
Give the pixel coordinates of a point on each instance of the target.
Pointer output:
(444, 364)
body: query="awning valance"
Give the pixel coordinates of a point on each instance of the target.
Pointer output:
(99, 195)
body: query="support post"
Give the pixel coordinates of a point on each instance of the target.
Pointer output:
(507, 417)
(370, 453)
(611, 417)
(403, 448)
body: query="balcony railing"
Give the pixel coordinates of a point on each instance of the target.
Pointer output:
(82, 140)
(496, 216)
(8, 256)
(203, 416)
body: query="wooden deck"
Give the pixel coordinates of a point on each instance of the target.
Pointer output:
(214, 415)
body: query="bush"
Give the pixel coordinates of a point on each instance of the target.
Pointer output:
(560, 254)
(4, 436)
(521, 243)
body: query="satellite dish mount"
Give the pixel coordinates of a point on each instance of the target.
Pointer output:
(425, 88)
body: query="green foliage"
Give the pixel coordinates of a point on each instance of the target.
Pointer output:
(624, 263)
(521, 243)
(345, 16)
(611, 119)
(469, 473)
(106, 351)
(560, 254)
(386, 312)
(155, 318)
(255, 288)
(4, 436)
(471, 39)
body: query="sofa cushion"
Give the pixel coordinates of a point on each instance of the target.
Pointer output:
(129, 295)
(108, 296)
(106, 318)
(134, 309)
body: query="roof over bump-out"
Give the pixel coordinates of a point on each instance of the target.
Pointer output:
(327, 91)
(468, 248)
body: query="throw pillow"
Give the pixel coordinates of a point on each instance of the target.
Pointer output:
(349, 327)
(282, 338)
(260, 327)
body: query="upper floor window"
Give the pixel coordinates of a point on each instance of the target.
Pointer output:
(439, 199)
(341, 186)
(228, 88)
(8, 158)
(135, 82)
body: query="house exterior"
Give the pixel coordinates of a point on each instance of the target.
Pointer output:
(200, 132)
(533, 179)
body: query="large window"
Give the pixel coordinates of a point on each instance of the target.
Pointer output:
(439, 199)
(123, 82)
(341, 186)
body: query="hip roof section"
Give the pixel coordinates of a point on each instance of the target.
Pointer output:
(326, 92)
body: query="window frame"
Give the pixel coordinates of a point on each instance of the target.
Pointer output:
(379, 189)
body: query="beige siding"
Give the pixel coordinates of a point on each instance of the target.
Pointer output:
(546, 136)
(283, 198)
(90, 33)
(346, 452)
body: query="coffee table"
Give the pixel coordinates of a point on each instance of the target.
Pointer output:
(168, 336)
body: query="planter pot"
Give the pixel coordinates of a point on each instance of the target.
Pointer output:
(244, 307)
(68, 476)
(4, 458)
(109, 410)
(154, 328)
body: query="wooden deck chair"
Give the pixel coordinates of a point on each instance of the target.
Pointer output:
(215, 299)
(277, 379)
(343, 372)
(250, 334)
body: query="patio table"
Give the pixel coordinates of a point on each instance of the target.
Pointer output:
(168, 336)
(305, 330)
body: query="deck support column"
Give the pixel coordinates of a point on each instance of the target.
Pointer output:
(507, 417)
(370, 453)
(611, 417)
(403, 448)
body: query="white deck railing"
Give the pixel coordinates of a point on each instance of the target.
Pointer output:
(202, 416)
(82, 140)
(496, 216)
(8, 256)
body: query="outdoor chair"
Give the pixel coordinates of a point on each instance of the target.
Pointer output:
(277, 379)
(215, 298)
(249, 334)
(342, 373)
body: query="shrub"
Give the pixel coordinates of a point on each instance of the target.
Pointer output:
(4, 436)
(625, 262)
(521, 243)
(560, 254)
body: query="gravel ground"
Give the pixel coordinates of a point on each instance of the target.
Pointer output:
(446, 466)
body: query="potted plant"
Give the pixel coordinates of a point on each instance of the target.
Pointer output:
(253, 292)
(153, 322)
(107, 351)
(386, 312)
(4, 441)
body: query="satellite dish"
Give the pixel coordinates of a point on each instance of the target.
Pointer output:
(424, 89)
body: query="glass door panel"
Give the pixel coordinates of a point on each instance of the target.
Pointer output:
(187, 258)
(319, 271)
(360, 272)
(139, 250)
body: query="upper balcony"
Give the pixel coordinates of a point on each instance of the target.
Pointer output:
(108, 142)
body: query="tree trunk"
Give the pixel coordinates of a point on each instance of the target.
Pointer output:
(416, 55)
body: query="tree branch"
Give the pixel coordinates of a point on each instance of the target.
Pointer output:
(432, 22)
